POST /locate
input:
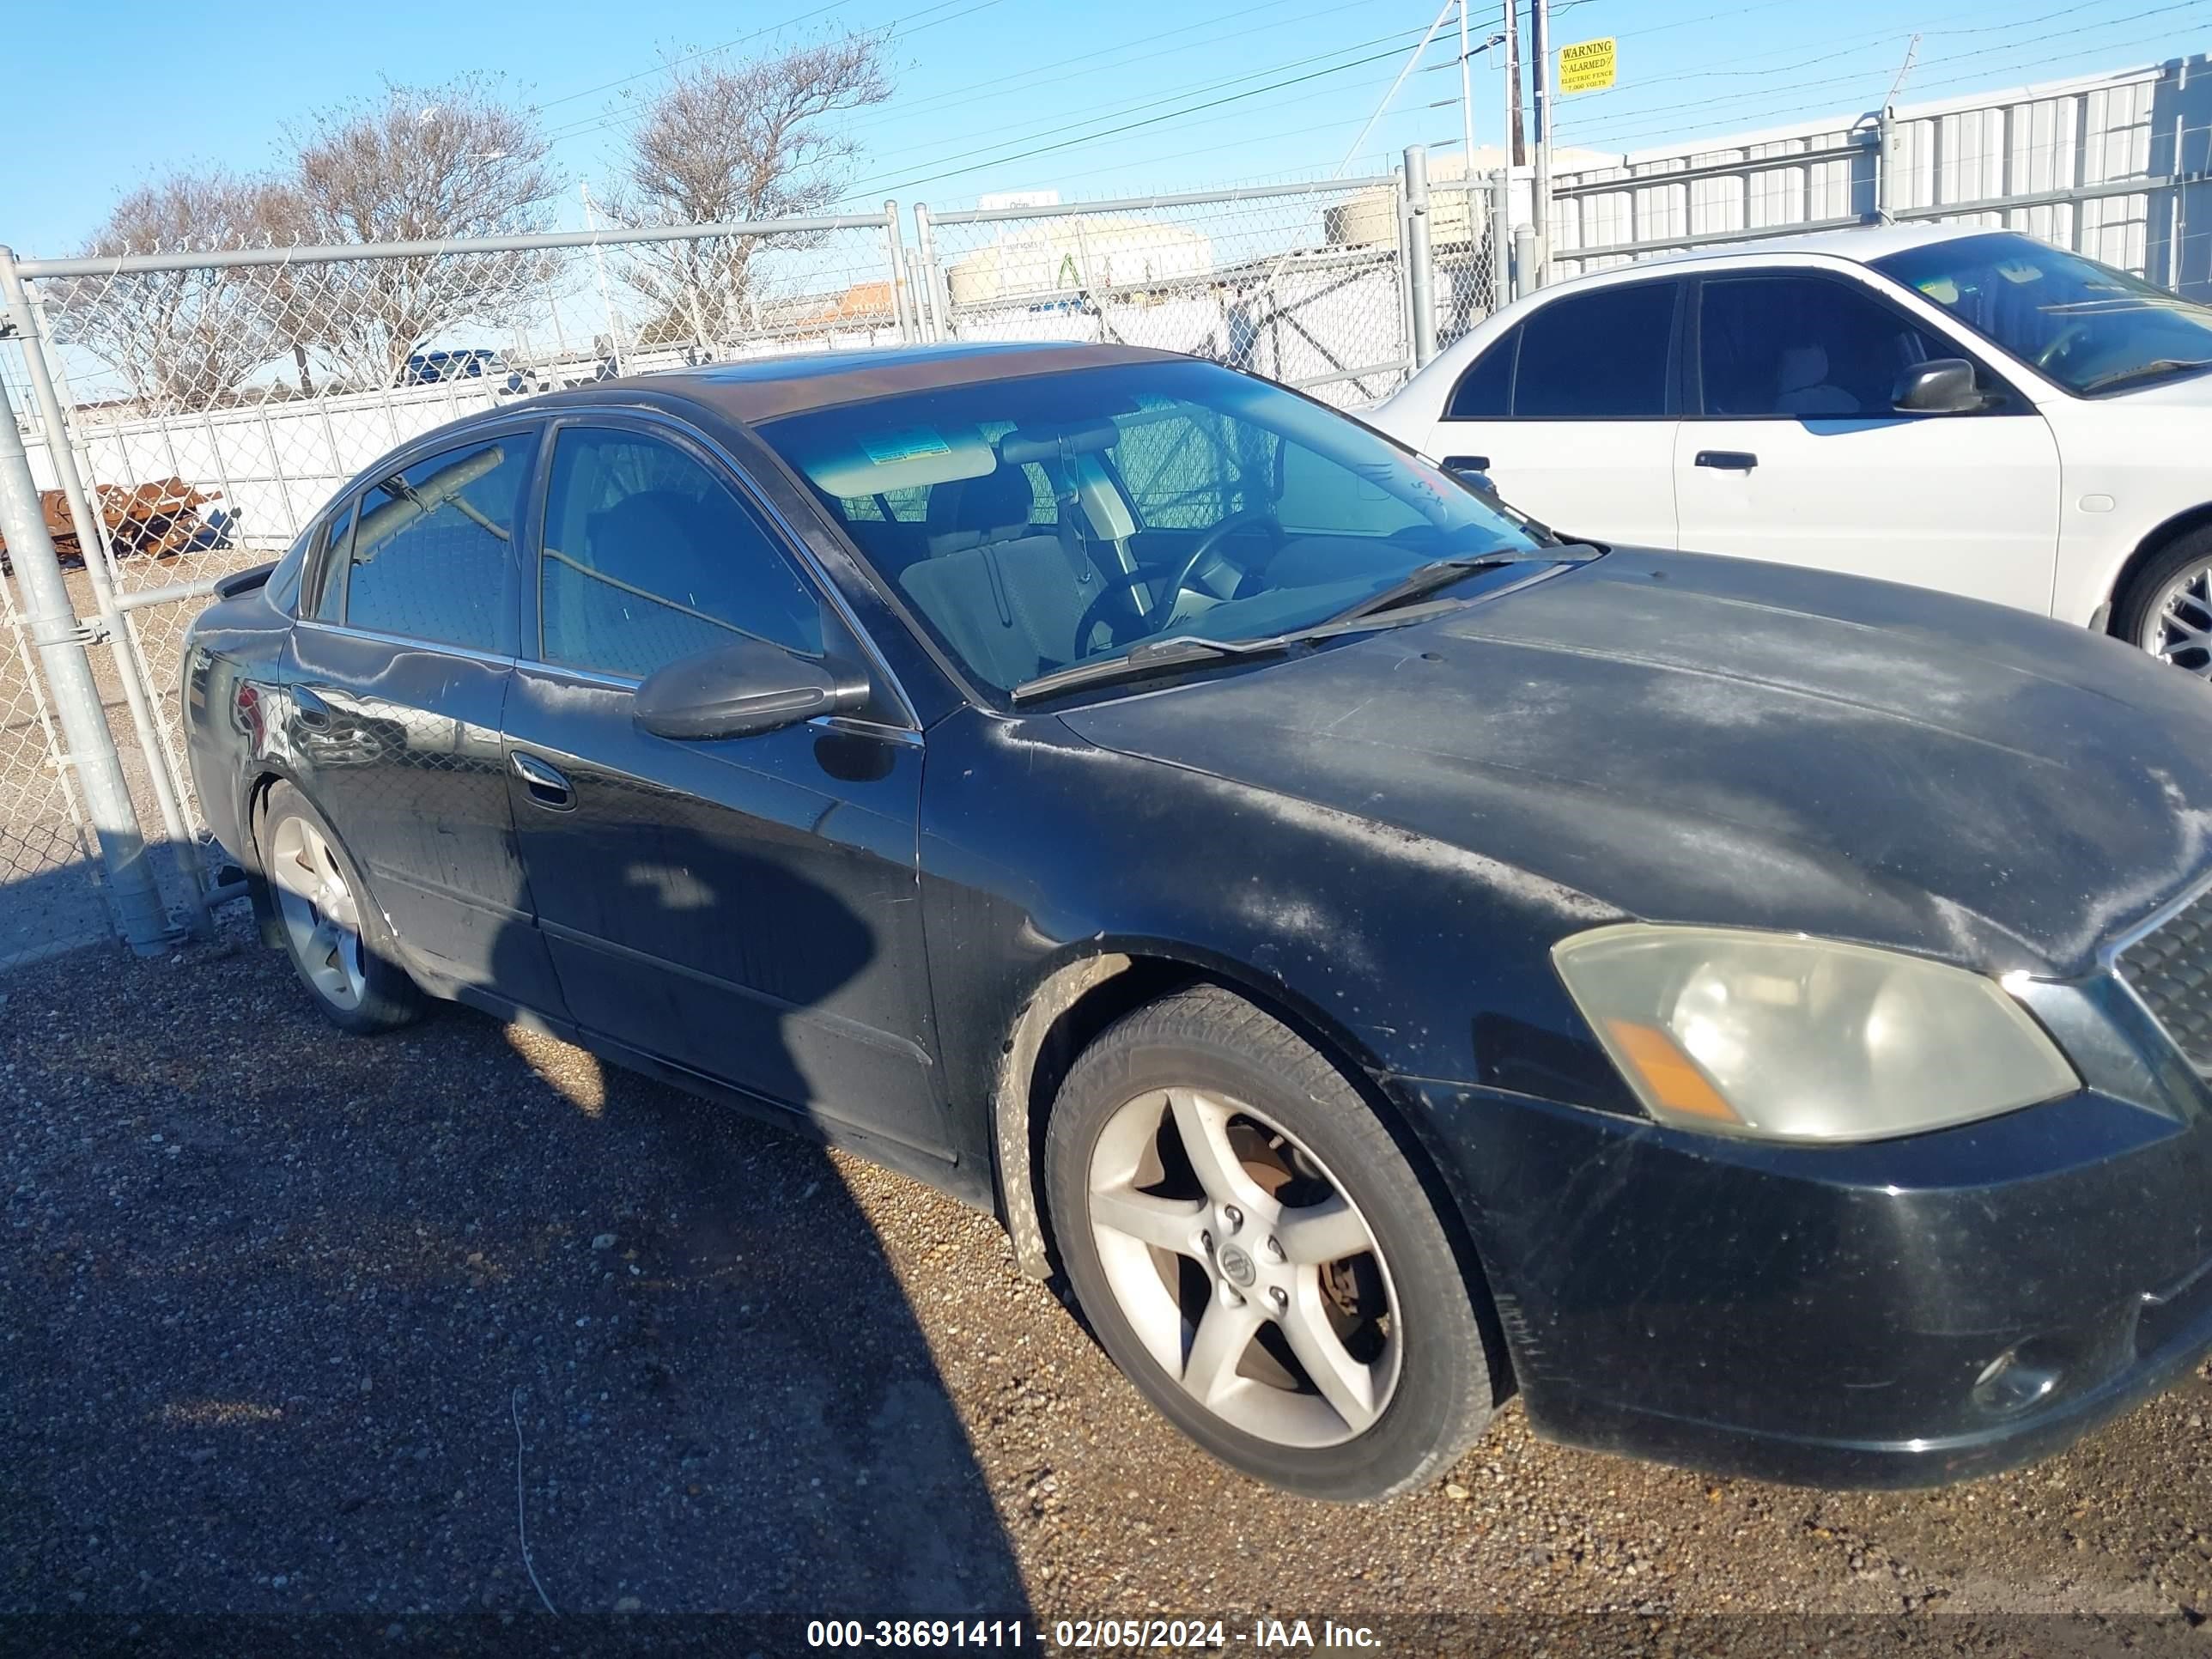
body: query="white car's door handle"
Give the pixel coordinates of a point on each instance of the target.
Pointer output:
(1728, 460)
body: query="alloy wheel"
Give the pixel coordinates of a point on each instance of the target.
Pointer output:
(2178, 627)
(1245, 1267)
(321, 916)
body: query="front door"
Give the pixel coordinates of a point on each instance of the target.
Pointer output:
(744, 908)
(1796, 453)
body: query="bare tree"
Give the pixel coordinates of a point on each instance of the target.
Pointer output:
(719, 144)
(417, 164)
(182, 339)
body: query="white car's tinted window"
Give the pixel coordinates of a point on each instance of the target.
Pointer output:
(649, 556)
(430, 552)
(1597, 357)
(1484, 392)
(1803, 346)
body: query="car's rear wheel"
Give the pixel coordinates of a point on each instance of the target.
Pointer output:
(336, 937)
(1256, 1251)
(2167, 607)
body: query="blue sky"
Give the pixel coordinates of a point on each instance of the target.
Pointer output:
(1124, 97)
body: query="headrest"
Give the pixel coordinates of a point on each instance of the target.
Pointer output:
(640, 526)
(1800, 367)
(966, 512)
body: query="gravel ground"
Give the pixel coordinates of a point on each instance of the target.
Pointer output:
(284, 1309)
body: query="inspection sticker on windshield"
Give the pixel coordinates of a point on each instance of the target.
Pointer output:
(910, 444)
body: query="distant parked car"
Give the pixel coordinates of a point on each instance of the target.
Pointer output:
(1964, 408)
(428, 368)
(1384, 955)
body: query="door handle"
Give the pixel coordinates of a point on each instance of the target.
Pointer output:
(1728, 460)
(310, 710)
(1467, 463)
(546, 787)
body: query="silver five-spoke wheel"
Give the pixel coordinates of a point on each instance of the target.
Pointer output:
(1244, 1268)
(321, 915)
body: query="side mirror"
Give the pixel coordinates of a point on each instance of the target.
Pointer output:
(1472, 470)
(743, 688)
(1941, 386)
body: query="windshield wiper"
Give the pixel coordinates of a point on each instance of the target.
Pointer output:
(1426, 578)
(2157, 369)
(1185, 650)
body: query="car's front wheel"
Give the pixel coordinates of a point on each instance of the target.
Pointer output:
(2167, 607)
(1256, 1251)
(336, 936)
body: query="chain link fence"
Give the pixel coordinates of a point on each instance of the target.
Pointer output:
(1308, 284)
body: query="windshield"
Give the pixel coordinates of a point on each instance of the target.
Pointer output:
(1040, 522)
(2088, 326)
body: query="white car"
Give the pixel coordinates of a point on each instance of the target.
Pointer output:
(1952, 406)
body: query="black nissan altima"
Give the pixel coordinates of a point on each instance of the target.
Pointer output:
(1384, 955)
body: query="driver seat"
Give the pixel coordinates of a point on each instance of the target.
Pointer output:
(998, 588)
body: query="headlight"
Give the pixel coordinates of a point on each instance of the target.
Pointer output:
(1790, 1038)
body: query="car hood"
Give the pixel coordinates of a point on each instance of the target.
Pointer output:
(1720, 741)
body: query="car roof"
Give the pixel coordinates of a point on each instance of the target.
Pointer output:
(764, 388)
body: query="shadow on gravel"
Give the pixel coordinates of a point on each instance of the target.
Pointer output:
(285, 1312)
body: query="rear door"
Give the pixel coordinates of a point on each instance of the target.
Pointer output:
(744, 908)
(399, 672)
(1573, 413)
(1793, 452)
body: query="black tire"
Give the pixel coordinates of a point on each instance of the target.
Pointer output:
(2132, 610)
(387, 998)
(1209, 1039)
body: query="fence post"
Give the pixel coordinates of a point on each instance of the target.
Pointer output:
(900, 298)
(1524, 261)
(92, 539)
(1501, 241)
(1885, 166)
(51, 623)
(1420, 264)
(933, 279)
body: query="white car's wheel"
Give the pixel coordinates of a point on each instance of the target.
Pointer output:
(2167, 608)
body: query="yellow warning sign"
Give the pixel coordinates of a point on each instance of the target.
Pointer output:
(1586, 66)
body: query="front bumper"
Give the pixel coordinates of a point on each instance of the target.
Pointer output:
(1908, 1312)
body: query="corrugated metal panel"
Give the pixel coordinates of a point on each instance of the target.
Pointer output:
(2058, 141)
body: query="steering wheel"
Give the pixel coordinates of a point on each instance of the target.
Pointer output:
(2059, 342)
(1176, 580)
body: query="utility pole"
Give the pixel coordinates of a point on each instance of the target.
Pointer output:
(1467, 113)
(1516, 154)
(1539, 52)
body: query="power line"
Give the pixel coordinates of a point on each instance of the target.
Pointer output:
(978, 91)
(1736, 117)
(1847, 79)
(676, 62)
(1130, 126)
(1108, 111)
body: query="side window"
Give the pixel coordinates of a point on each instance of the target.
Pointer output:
(1484, 392)
(430, 555)
(329, 602)
(1600, 356)
(1803, 346)
(650, 557)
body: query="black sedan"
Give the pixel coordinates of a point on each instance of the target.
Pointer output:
(1384, 955)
